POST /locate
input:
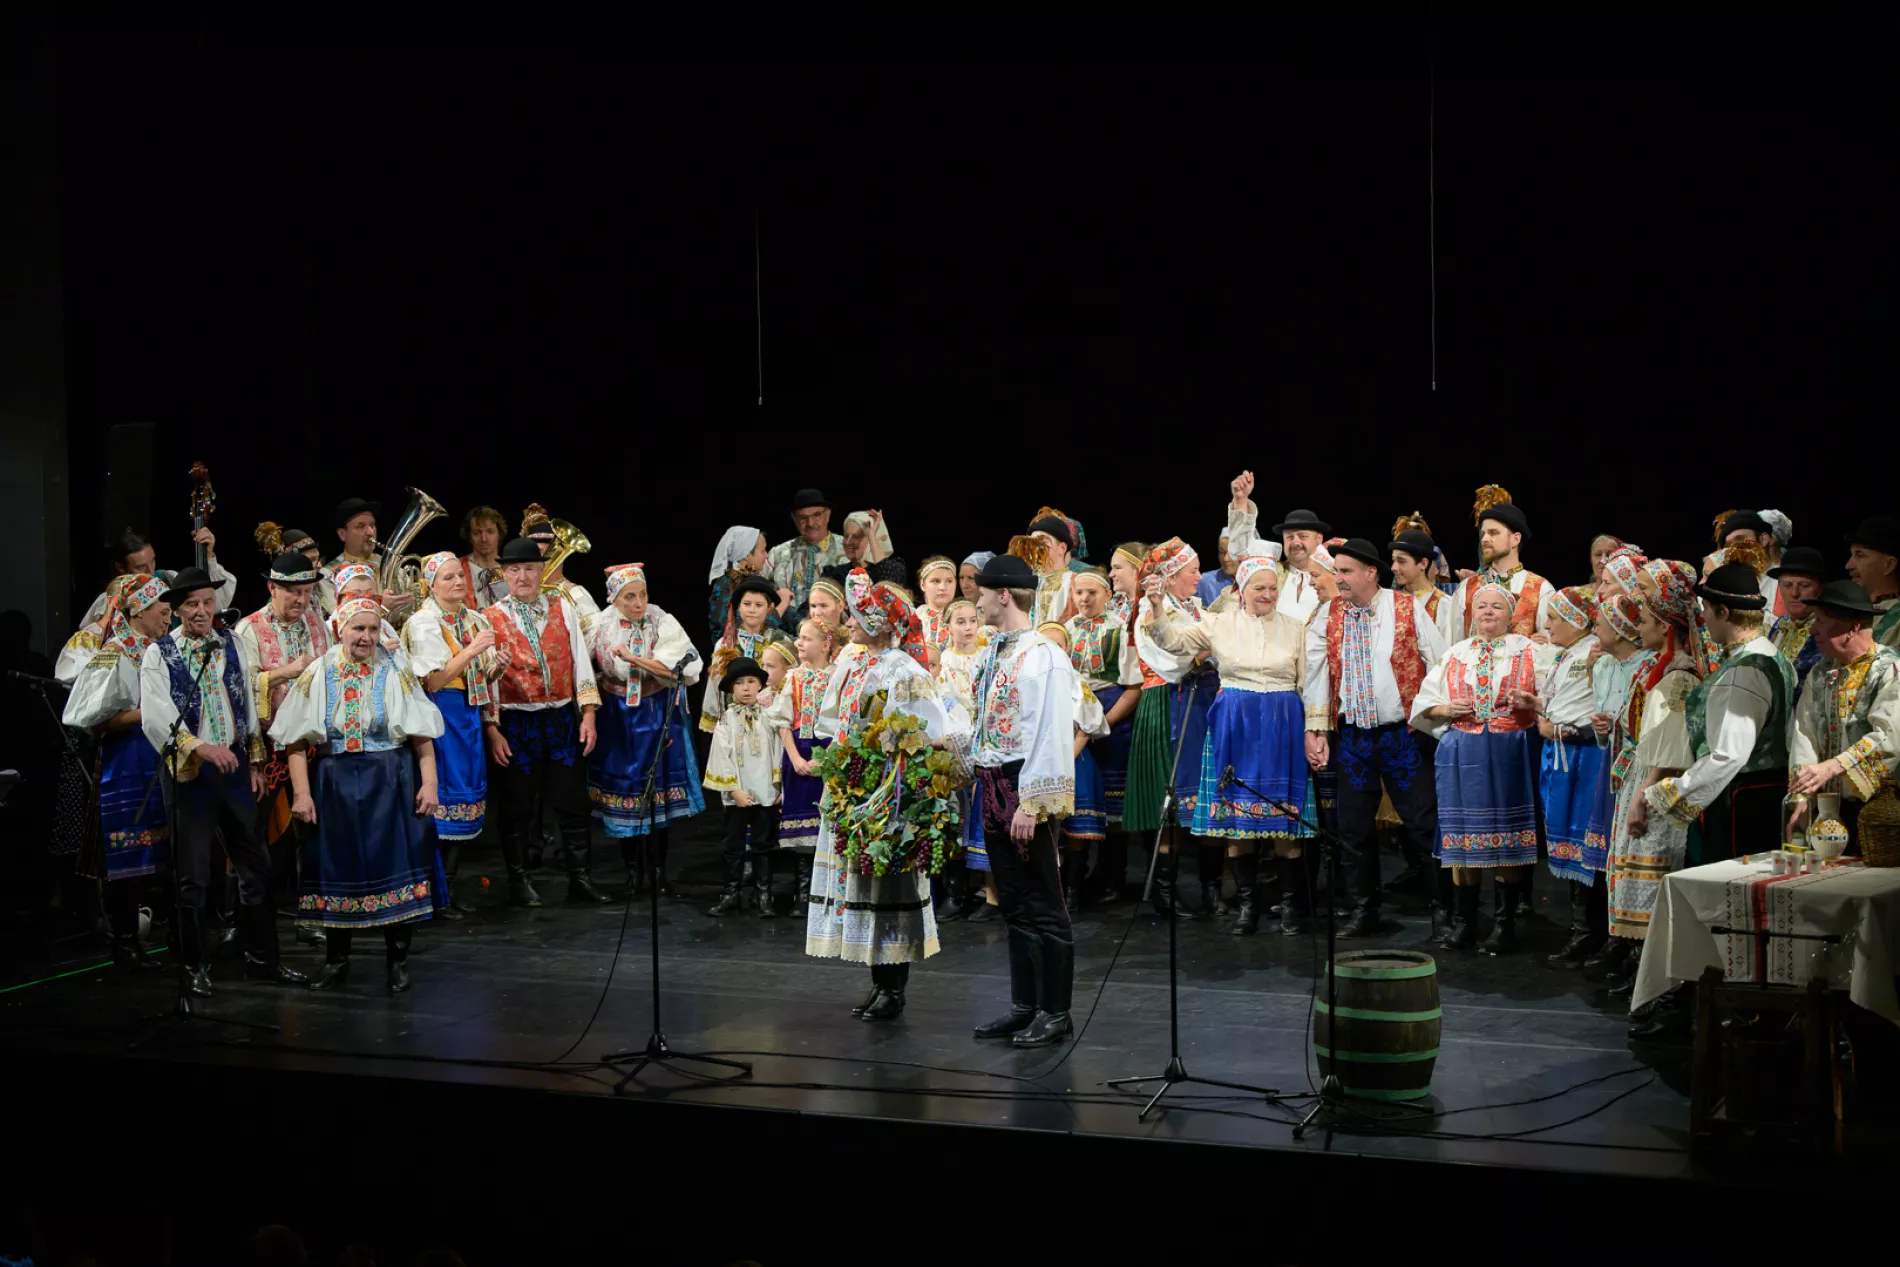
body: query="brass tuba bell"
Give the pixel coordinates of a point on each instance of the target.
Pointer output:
(403, 572)
(567, 540)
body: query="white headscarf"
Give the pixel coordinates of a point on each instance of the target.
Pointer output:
(862, 518)
(738, 542)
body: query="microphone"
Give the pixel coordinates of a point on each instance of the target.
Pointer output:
(1226, 779)
(32, 679)
(679, 670)
(229, 617)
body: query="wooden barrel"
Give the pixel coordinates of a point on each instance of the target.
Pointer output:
(1382, 1038)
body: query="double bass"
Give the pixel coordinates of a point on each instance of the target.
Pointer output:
(204, 499)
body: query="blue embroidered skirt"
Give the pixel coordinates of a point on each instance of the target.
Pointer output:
(461, 767)
(1111, 754)
(1568, 781)
(132, 806)
(1089, 821)
(976, 856)
(1596, 832)
(1262, 735)
(1187, 725)
(371, 861)
(1487, 799)
(629, 735)
(798, 817)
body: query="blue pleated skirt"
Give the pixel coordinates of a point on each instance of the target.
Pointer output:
(1188, 704)
(798, 817)
(1111, 754)
(1596, 832)
(1568, 781)
(461, 767)
(1262, 735)
(371, 861)
(628, 736)
(132, 806)
(1487, 799)
(1090, 819)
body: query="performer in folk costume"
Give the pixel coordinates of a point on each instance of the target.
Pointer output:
(1502, 531)
(743, 767)
(370, 862)
(778, 660)
(355, 522)
(741, 553)
(969, 890)
(1414, 558)
(358, 580)
(1256, 729)
(1798, 579)
(87, 641)
(451, 650)
(825, 602)
(1172, 711)
(937, 585)
(1088, 820)
(1299, 538)
(483, 531)
(1572, 762)
(105, 699)
(1022, 746)
(636, 647)
(1645, 847)
(274, 540)
(748, 629)
(133, 555)
(793, 565)
(1873, 563)
(794, 715)
(1847, 723)
(199, 713)
(538, 528)
(883, 921)
(1103, 652)
(1047, 548)
(1746, 536)
(533, 735)
(1622, 572)
(280, 640)
(1367, 653)
(1602, 546)
(966, 573)
(1124, 577)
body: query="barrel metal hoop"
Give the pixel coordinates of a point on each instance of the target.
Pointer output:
(1388, 974)
(1370, 1014)
(1371, 1093)
(1377, 1057)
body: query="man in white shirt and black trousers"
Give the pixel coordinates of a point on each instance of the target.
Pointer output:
(195, 698)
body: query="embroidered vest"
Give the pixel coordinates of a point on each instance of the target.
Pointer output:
(182, 677)
(523, 683)
(1771, 744)
(1524, 619)
(270, 648)
(1485, 687)
(1408, 666)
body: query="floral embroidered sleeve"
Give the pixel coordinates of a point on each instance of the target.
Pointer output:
(722, 768)
(302, 717)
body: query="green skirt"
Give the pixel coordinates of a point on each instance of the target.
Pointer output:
(1148, 760)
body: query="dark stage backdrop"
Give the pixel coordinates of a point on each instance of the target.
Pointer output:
(514, 266)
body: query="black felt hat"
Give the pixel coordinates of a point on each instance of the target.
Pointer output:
(1748, 520)
(1415, 543)
(805, 498)
(292, 568)
(752, 585)
(1361, 549)
(520, 550)
(1303, 521)
(1802, 561)
(1508, 515)
(1733, 585)
(1879, 532)
(188, 581)
(349, 508)
(743, 667)
(298, 539)
(1007, 572)
(1845, 596)
(1055, 526)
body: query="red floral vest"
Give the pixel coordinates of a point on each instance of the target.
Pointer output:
(1408, 666)
(270, 650)
(1518, 674)
(522, 683)
(1524, 619)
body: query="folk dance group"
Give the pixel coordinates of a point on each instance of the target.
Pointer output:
(1001, 717)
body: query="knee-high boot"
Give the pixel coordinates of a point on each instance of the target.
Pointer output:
(658, 842)
(451, 863)
(762, 883)
(1504, 928)
(1212, 858)
(520, 889)
(1246, 896)
(336, 960)
(1296, 896)
(1072, 860)
(1583, 938)
(1461, 933)
(577, 852)
(396, 940)
(1055, 988)
(122, 912)
(1025, 954)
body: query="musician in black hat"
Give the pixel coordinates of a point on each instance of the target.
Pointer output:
(793, 565)
(1502, 532)
(1798, 580)
(305, 544)
(1873, 563)
(355, 522)
(198, 709)
(1847, 722)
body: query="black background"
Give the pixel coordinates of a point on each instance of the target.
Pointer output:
(1103, 267)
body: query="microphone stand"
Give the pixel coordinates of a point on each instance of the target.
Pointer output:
(1176, 1072)
(182, 1008)
(657, 1051)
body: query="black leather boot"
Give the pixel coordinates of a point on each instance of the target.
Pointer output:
(891, 979)
(1461, 933)
(396, 946)
(732, 868)
(1211, 859)
(520, 889)
(1025, 958)
(1246, 882)
(336, 961)
(577, 849)
(1296, 897)
(657, 845)
(1622, 982)
(728, 901)
(762, 883)
(122, 907)
(1504, 928)
(262, 959)
(1056, 989)
(1608, 959)
(1166, 900)
(1072, 868)
(451, 863)
(1583, 941)
(191, 929)
(1522, 892)
(801, 885)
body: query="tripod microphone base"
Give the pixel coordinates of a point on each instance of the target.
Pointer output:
(1175, 1074)
(1332, 1097)
(657, 1052)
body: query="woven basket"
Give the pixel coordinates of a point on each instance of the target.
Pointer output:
(1880, 829)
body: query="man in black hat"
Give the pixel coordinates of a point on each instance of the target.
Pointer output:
(1367, 653)
(793, 565)
(305, 544)
(1873, 563)
(355, 521)
(1413, 554)
(1502, 531)
(1300, 535)
(1798, 580)
(538, 527)
(132, 554)
(197, 707)
(1847, 722)
(1022, 748)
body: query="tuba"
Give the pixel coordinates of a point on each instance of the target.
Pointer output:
(567, 540)
(402, 572)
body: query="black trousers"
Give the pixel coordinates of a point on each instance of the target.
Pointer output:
(1399, 761)
(1744, 819)
(218, 803)
(757, 824)
(1029, 891)
(522, 788)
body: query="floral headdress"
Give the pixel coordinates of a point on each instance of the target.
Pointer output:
(348, 610)
(1625, 615)
(1494, 586)
(1574, 606)
(1674, 600)
(621, 575)
(433, 565)
(1250, 567)
(879, 607)
(352, 572)
(1164, 560)
(1747, 551)
(1626, 565)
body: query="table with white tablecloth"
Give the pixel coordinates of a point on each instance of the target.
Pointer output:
(1858, 903)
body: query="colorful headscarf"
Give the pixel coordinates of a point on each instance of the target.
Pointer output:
(1510, 599)
(1574, 606)
(433, 564)
(348, 610)
(1323, 556)
(1168, 558)
(1250, 567)
(621, 575)
(738, 542)
(981, 557)
(878, 529)
(352, 572)
(1626, 566)
(880, 607)
(1625, 615)
(1675, 601)
(138, 592)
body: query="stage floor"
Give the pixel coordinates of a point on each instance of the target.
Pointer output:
(519, 986)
